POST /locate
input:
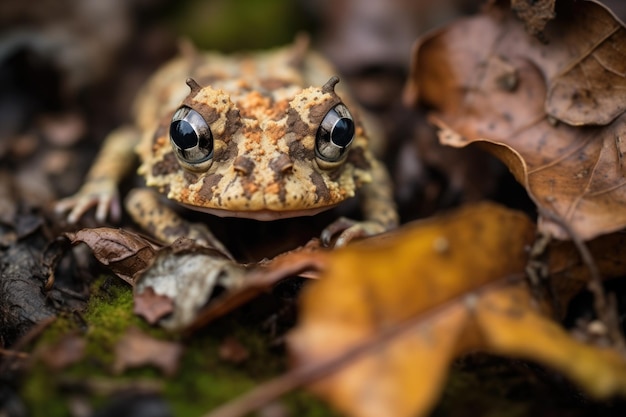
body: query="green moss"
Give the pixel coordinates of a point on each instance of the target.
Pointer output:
(230, 25)
(109, 314)
(203, 382)
(40, 395)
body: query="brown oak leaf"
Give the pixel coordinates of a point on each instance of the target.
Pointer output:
(553, 112)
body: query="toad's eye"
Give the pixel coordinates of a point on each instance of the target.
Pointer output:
(335, 134)
(191, 138)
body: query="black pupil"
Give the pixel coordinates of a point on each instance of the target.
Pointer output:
(342, 133)
(183, 134)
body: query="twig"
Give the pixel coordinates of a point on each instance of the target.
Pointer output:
(605, 307)
(27, 338)
(14, 354)
(537, 270)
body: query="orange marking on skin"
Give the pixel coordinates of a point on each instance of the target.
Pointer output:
(278, 110)
(275, 132)
(251, 187)
(259, 155)
(253, 138)
(255, 104)
(158, 144)
(273, 188)
(185, 195)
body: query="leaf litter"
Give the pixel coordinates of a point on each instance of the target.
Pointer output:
(174, 284)
(551, 110)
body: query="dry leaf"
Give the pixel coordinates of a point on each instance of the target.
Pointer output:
(492, 83)
(569, 274)
(187, 274)
(398, 311)
(67, 351)
(152, 306)
(303, 261)
(509, 325)
(231, 350)
(535, 14)
(126, 253)
(138, 349)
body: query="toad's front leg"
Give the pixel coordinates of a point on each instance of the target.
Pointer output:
(160, 221)
(379, 211)
(115, 160)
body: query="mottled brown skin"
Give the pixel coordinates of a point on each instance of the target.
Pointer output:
(264, 110)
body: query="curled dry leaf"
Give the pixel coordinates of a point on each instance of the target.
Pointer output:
(187, 274)
(553, 111)
(392, 315)
(304, 261)
(176, 289)
(125, 253)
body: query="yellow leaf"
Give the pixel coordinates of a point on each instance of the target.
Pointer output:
(407, 304)
(510, 326)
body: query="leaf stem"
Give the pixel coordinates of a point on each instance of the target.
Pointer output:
(605, 307)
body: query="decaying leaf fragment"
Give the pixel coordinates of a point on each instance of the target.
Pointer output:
(303, 261)
(187, 274)
(152, 306)
(552, 111)
(534, 14)
(401, 309)
(176, 290)
(67, 351)
(136, 349)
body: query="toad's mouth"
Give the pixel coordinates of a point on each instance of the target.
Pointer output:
(262, 215)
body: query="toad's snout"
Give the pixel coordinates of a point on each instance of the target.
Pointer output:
(279, 165)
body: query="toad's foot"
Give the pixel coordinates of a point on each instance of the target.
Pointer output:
(160, 221)
(101, 194)
(100, 190)
(349, 229)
